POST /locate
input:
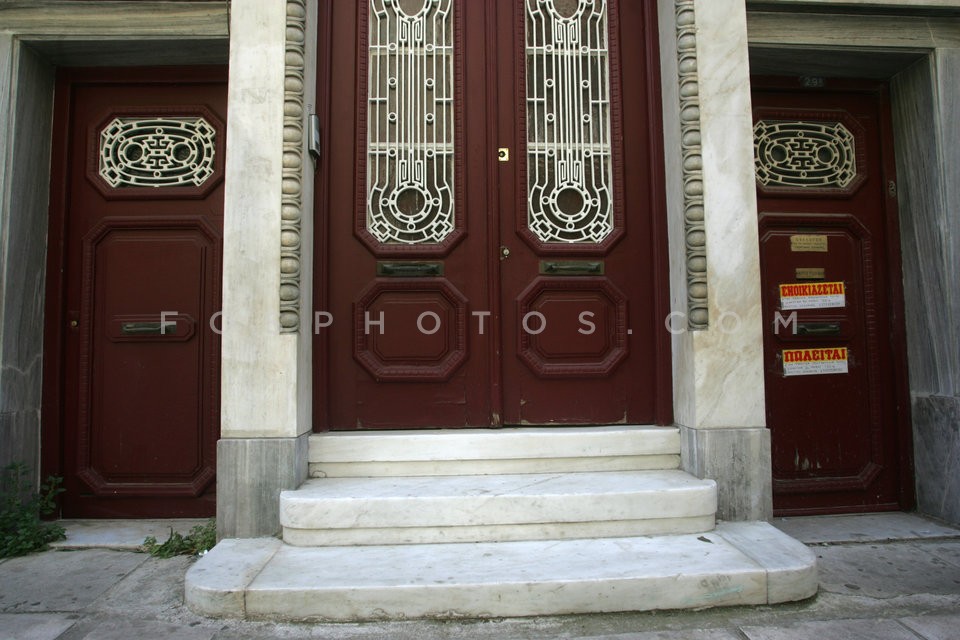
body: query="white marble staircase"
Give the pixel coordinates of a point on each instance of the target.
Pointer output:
(491, 523)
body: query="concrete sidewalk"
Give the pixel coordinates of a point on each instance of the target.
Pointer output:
(882, 577)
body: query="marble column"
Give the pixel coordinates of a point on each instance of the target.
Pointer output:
(718, 371)
(266, 368)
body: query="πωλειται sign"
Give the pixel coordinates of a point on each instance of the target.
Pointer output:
(814, 362)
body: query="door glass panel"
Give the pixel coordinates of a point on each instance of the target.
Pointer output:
(569, 157)
(410, 121)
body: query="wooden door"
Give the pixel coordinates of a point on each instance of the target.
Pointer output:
(485, 259)
(137, 213)
(830, 269)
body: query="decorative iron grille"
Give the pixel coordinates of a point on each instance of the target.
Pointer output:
(157, 152)
(410, 121)
(569, 156)
(801, 154)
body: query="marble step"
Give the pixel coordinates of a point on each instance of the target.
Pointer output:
(494, 451)
(736, 564)
(429, 509)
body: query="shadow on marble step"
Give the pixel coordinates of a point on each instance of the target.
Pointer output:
(737, 564)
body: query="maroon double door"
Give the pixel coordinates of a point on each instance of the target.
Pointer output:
(490, 242)
(836, 398)
(131, 387)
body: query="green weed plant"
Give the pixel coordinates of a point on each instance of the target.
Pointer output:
(21, 529)
(200, 540)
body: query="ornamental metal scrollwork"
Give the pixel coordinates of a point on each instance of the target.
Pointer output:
(569, 153)
(410, 122)
(804, 154)
(157, 152)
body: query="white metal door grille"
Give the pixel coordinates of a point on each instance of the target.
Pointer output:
(410, 121)
(569, 158)
(157, 152)
(804, 154)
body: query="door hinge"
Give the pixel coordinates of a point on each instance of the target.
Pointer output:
(313, 137)
(892, 189)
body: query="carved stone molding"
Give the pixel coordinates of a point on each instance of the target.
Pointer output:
(291, 205)
(694, 232)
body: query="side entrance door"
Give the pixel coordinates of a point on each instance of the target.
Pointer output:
(132, 386)
(491, 242)
(834, 351)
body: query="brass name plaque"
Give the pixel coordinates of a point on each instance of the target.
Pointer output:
(811, 273)
(812, 243)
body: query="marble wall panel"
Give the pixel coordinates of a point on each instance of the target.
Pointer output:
(851, 32)
(6, 132)
(116, 20)
(739, 461)
(25, 199)
(936, 450)
(926, 107)
(251, 474)
(948, 95)
(305, 351)
(922, 214)
(683, 361)
(729, 356)
(259, 365)
(19, 433)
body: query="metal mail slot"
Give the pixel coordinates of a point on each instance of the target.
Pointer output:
(571, 267)
(168, 328)
(818, 328)
(409, 269)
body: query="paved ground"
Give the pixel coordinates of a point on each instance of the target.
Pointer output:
(882, 577)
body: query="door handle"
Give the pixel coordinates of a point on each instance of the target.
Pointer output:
(818, 328)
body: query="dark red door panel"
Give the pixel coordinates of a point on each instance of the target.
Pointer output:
(487, 260)
(829, 259)
(403, 228)
(582, 316)
(141, 219)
